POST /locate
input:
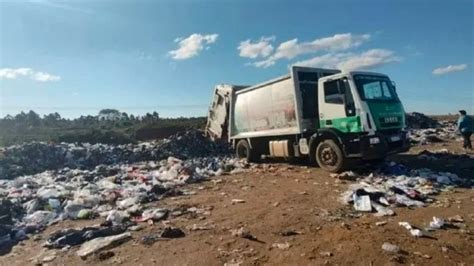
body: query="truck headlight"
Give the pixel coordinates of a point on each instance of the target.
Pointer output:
(375, 140)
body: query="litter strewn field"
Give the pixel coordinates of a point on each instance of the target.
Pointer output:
(149, 205)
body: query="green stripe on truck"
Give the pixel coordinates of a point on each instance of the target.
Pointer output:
(350, 124)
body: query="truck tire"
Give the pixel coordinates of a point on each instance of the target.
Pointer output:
(330, 157)
(243, 151)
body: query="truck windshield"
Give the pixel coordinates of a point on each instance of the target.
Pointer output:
(375, 88)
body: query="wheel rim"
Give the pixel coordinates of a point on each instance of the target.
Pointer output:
(328, 156)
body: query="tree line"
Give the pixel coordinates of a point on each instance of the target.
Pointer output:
(108, 126)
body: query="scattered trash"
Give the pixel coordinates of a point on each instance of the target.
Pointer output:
(152, 214)
(137, 227)
(282, 246)
(243, 233)
(42, 183)
(437, 223)
(390, 247)
(417, 253)
(387, 188)
(456, 219)
(49, 258)
(234, 201)
(36, 157)
(170, 232)
(101, 243)
(325, 254)
(413, 231)
(381, 223)
(74, 237)
(362, 203)
(85, 214)
(289, 233)
(348, 175)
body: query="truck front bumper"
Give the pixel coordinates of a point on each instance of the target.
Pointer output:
(378, 145)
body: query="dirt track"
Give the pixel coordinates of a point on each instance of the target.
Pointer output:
(281, 198)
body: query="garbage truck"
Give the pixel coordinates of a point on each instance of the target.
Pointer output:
(325, 115)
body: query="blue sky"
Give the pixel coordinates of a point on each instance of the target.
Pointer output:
(77, 57)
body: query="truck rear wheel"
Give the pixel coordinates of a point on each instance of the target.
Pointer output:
(330, 157)
(243, 151)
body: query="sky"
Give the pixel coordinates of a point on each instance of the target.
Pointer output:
(78, 57)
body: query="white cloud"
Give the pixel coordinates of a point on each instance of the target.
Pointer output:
(449, 69)
(350, 61)
(14, 73)
(192, 45)
(292, 48)
(44, 77)
(369, 59)
(261, 48)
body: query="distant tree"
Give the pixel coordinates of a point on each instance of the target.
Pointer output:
(33, 119)
(156, 116)
(125, 116)
(109, 114)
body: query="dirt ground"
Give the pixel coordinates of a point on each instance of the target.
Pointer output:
(279, 198)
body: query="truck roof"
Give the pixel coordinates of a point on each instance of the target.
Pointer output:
(366, 73)
(287, 76)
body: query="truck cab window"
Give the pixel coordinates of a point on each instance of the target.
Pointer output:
(332, 93)
(375, 88)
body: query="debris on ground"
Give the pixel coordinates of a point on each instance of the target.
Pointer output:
(111, 181)
(170, 232)
(432, 132)
(74, 237)
(102, 243)
(290, 233)
(456, 219)
(234, 201)
(390, 247)
(441, 154)
(437, 223)
(282, 246)
(381, 223)
(413, 231)
(326, 254)
(420, 121)
(394, 185)
(36, 157)
(243, 233)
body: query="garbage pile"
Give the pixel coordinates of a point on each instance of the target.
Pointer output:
(395, 186)
(442, 154)
(36, 157)
(117, 192)
(420, 121)
(444, 130)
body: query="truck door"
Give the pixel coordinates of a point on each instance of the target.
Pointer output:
(336, 107)
(217, 119)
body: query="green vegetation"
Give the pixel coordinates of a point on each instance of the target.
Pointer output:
(109, 126)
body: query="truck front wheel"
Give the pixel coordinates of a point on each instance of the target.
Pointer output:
(243, 151)
(330, 157)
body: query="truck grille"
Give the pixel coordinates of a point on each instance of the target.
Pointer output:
(390, 121)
